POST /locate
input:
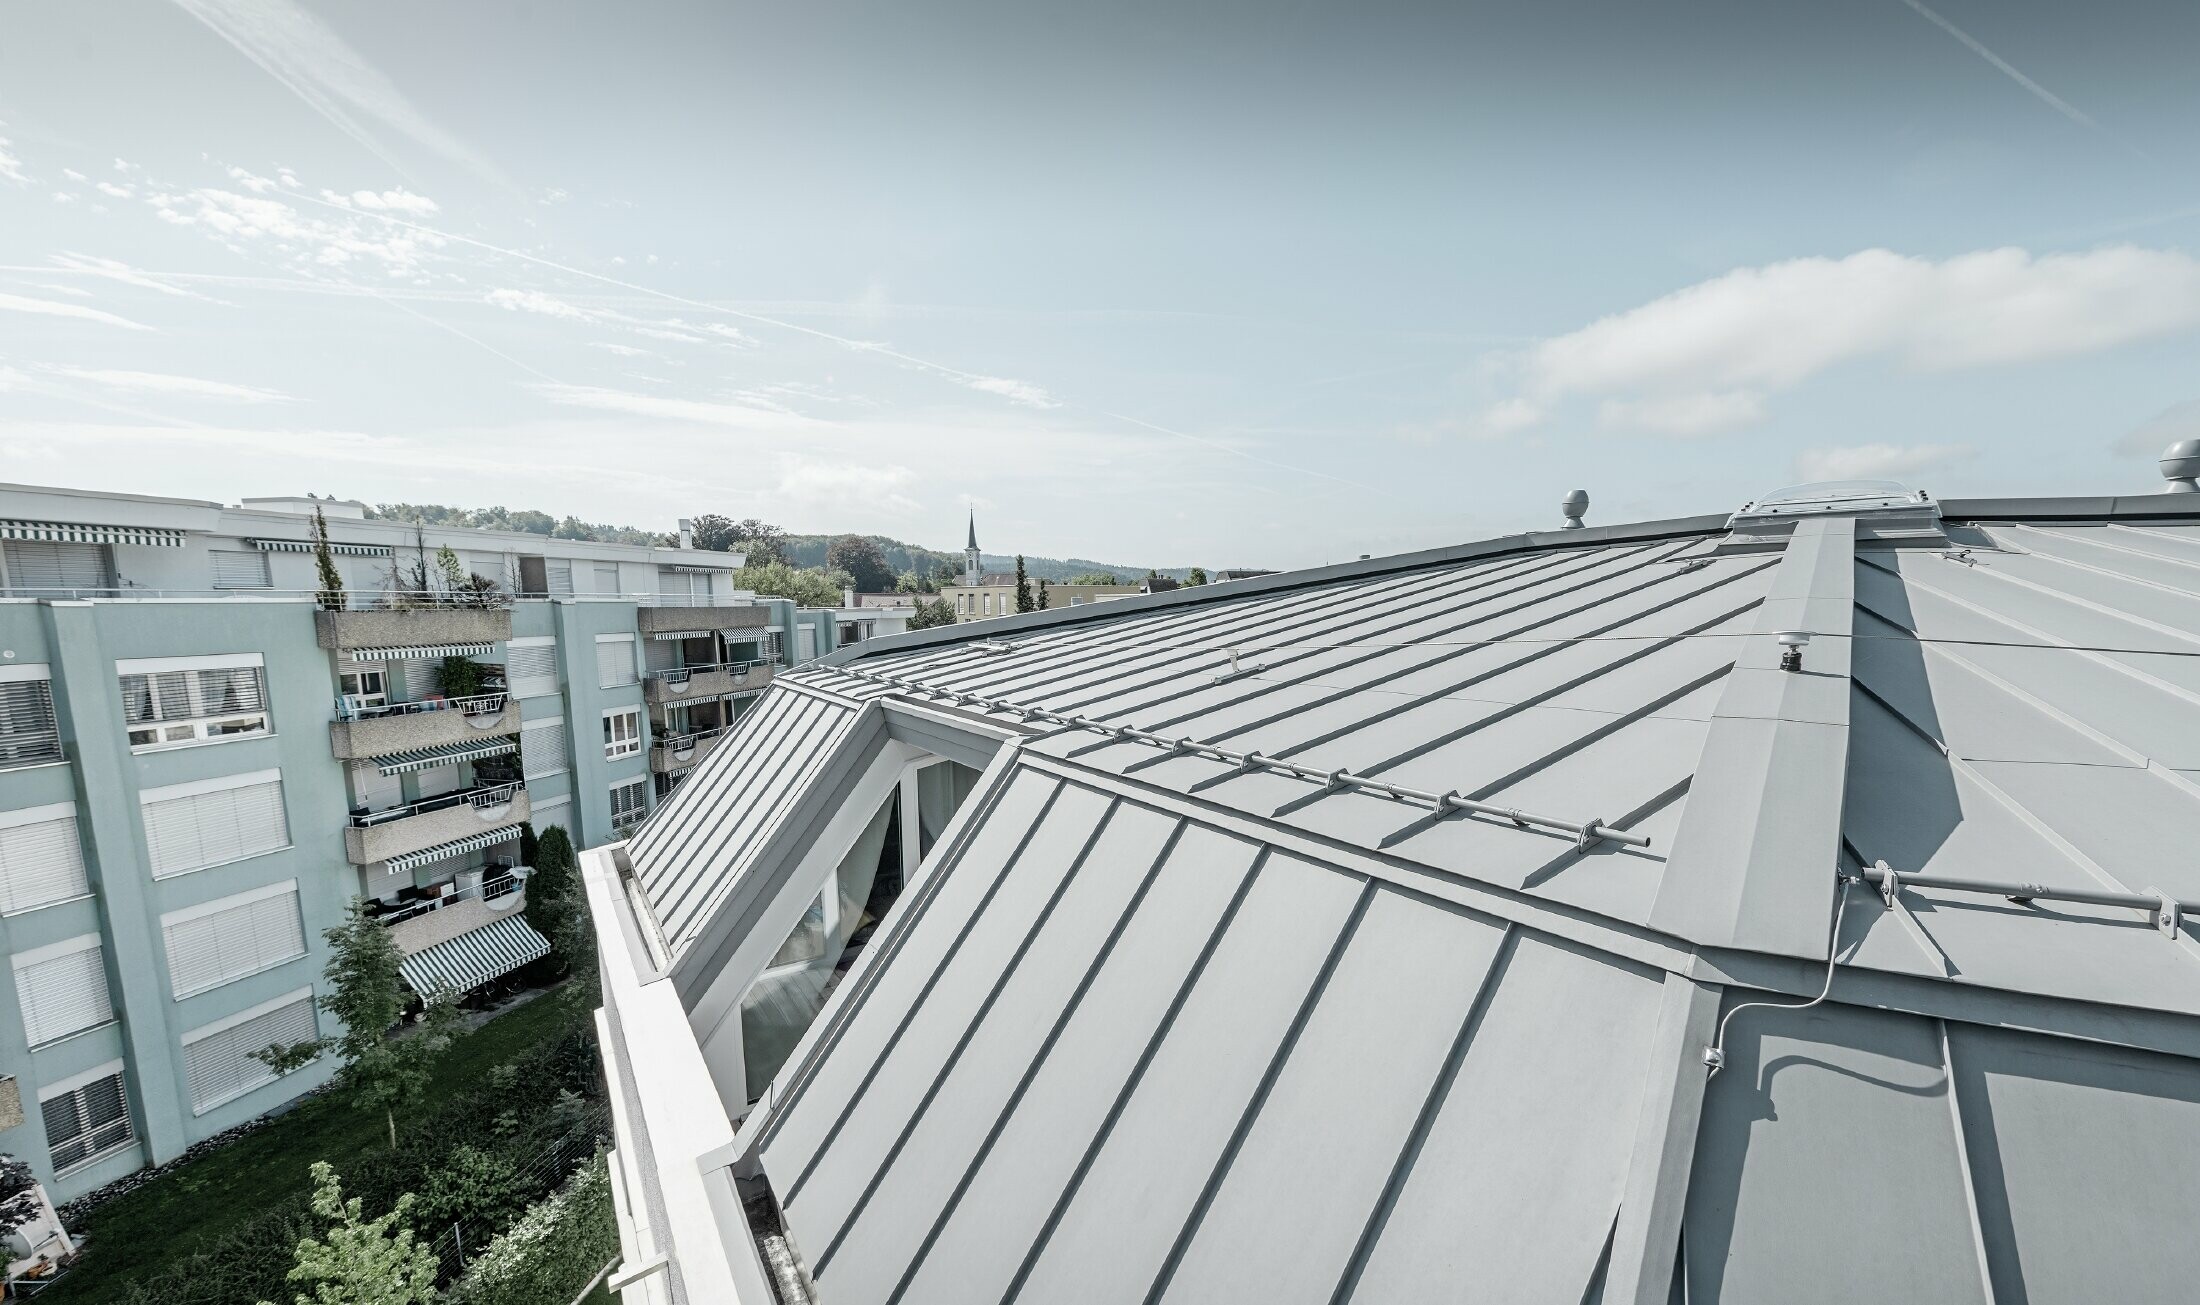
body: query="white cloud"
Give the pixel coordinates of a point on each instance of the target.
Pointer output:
(11, 167)
(63, 197)
(121, 272)
(1758, 330)
(704, 412)
(75, 176)
(47, 308)
(242, 222)
(118, 192)
(1876, 461)
(838, 486)
(164, 384)
(317, 66)
(534, 301)
(1511, 416)
(399, 200)
(1031, 396)
(621, 350)
(1683, 414)
(2179, 421)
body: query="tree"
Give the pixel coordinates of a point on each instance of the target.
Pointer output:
(331, 596)
(714, 531)
(553, 889)
(18, 1194)
(573, 528)
(932, 612)
(863, 559)
(367, 994)
(761, 541)
(1197, 577)
(475, 1187)
(911, 582)
(810, 587)
(1024, 601)
(450, 570)
(1042, 595)
(1094, 578)
(361, 1261)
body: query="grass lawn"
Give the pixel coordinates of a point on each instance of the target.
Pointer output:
(172, 1215)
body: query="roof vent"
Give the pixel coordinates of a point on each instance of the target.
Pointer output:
(2181, 467)
(1576, 506)
(1884, 510)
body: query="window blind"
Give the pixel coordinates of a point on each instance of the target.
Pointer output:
(185, 695)
(62, 989)
(419, 675)
(676, 584)
(86, 1121)
(559, 576)
(203, 829)
(212, 945)
(41, 860)
(240, 570)
(614, 663)
(218, 1060)
(542, 749)
(57, 566)
(607, 578)
(28, 734)
(531, 669)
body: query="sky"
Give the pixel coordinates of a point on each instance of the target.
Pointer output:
(1189, 283)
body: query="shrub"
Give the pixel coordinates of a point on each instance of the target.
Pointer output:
(552, 1252)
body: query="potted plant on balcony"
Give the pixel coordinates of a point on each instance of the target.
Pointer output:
(461, 677)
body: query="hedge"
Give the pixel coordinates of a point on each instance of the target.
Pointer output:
(552, 1252)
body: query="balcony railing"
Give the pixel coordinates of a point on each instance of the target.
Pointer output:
(682, 674)
(489, 890)
(486, 798)
(365, 601)
(486, 704)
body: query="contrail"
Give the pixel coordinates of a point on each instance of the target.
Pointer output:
(862, 346)
(2046, 96)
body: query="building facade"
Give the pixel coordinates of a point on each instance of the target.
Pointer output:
(201, 766)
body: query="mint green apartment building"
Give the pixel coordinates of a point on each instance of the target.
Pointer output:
(200, 768)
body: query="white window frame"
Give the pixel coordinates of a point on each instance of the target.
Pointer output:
(202, 727)
(75, 1083)
(622, 733)
(223, 1025)
(36, 956)
(634, 661)
(627, 820)
(220, 905)
(529, 686)
(364, 684)
(150, 796)
(51, 813)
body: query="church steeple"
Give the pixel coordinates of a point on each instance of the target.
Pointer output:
(972, 572)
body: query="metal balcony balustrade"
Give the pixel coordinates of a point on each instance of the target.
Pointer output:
(682, 674)
(488, 890)
(484, 798)
(485, 704)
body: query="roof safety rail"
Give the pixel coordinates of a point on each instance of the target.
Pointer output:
(2165, 912)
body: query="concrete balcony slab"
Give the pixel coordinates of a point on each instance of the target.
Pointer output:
(383, 736)
(661, 689)
(415, 627)
(404, 834)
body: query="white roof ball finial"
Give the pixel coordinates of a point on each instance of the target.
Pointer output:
(2181, 467)
(1576, 506)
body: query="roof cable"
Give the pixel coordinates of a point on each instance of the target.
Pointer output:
(1715, 1055)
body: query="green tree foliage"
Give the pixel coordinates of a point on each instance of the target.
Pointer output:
(461, 677)
(366, 993)
(1024, 600)
(1094, 578)
(761, 541)
(1042, 603)
(1197, 577)
(361, 1261)
(809, 587)
(472, 1186)
(526, 521)
(909, 582)
(557, 908)
(17, 1202)
(931, 612)
(331, 596)
(552, 1252)
(863, 559)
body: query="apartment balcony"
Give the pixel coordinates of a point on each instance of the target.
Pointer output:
(447, 818)
(417, 632)
(673, 622)
(701, 683)
(391, 728)
(473, 934)
(682, 751)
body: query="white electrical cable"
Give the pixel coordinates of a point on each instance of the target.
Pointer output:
(1715, 1054)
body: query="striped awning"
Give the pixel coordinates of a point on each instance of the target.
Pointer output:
(456, 847)
(68, 532)
(681, 634)
(306, 546)
(475, 957)
(413, 652)
(398, 763)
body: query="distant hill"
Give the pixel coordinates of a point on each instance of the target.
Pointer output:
(809, 550)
